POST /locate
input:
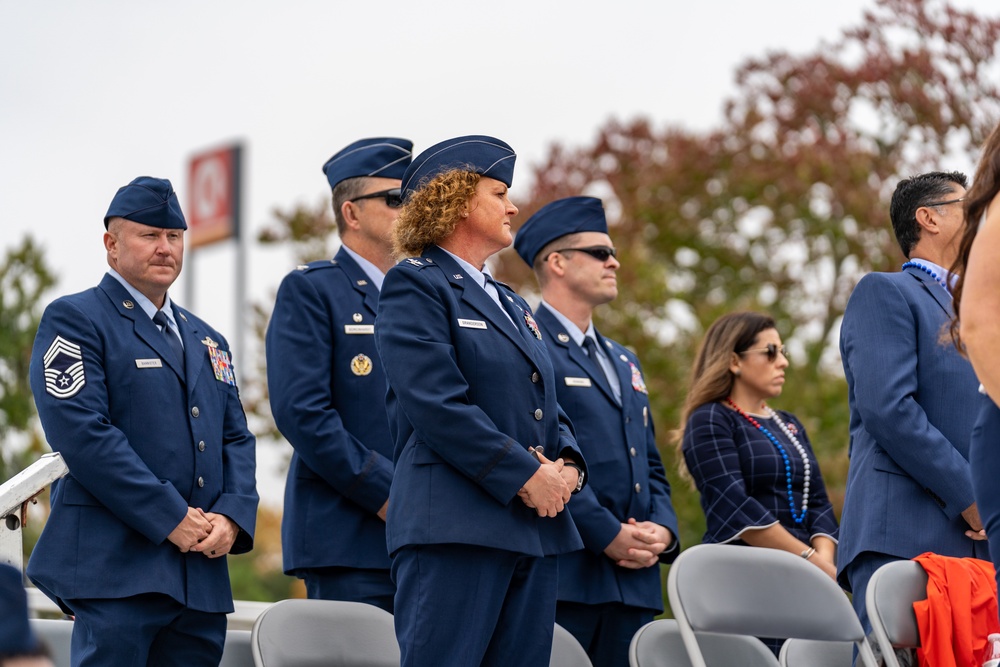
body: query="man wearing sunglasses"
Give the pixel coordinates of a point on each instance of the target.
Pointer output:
(913, 399)
(327, 387)
(609, 589)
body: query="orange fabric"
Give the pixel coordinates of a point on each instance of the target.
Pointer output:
(959, 612)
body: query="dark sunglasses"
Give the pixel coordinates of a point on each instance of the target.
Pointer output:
(393, 198)
(598, 252)
(771, 351)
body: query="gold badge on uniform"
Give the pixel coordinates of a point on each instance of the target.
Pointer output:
(361, 365)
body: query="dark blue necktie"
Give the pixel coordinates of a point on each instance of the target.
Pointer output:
(590, 346)
(160, 319)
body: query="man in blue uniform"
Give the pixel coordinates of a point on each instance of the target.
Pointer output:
(609, 589)
(140, 397)
(913, 398)
(327, 387)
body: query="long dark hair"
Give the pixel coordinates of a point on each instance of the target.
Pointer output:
(985, 186)
(711, 379)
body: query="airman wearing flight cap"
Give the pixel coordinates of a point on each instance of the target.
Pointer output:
(140, 397)
(327, 386)
(485, 459)
(611, 587)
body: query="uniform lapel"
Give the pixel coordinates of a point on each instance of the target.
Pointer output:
(194, 346)
(575, 352)
(359, 280)
(143, 326)
(476, 298)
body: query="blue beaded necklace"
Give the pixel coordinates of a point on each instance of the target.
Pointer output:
(929, 272)
(799, 516)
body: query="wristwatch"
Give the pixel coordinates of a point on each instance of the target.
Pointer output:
(580, 475)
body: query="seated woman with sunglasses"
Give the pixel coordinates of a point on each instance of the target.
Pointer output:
(754, 467)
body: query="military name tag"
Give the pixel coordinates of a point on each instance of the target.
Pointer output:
(359, 328)
(578, 382)
(472, 324)
(148, 363)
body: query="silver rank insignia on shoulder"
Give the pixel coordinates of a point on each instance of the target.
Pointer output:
(361, 365)
(356, 317)
(209, 342)
(414, 262)
(63, 363)
(563, 338)
(362, 283)
(128, 304)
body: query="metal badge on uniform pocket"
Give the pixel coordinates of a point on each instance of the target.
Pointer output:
(361, 365)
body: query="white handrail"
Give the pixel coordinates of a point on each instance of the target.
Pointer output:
(17, 491)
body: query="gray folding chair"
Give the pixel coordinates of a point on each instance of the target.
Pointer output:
(324, 633)
(237, 652)
(760, 592)
(56, 635)
(815, 653)
(892, 590)
(659, 644)
(567, 651)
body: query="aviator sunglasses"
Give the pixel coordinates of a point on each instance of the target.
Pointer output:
(771, 351)
(598, 252)
(393, 198)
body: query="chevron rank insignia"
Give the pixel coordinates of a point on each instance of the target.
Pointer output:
(64, 376)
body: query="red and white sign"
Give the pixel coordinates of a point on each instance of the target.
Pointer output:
(213, 191)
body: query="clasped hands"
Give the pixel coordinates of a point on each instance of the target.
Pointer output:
(638, 544)
(204, 532)
(549, 489)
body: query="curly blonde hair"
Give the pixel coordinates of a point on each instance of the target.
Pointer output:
(432, 211)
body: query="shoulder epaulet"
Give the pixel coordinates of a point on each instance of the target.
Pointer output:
(418, 262)
(318, 264)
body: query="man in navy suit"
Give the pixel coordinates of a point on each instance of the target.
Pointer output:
(610, 588)
(913, 399)
(327, 387)
(140, 397)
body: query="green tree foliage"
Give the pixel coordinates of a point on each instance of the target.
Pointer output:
(781, 208)
(24, 278)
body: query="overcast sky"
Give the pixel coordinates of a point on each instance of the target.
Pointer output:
(93, 94)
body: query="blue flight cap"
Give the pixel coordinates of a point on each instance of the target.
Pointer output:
(483, 155)
(16, 637)
(385, 157)
(151, 201)
(559, 218)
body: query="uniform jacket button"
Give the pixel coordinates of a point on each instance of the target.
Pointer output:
(632, 451)
(535, 377)
(195, 411)
(638, 487)
(201, 482)
(539, 414)
(201, 446)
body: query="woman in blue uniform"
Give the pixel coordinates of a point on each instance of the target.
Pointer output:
(485, 459)
(759, 480)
